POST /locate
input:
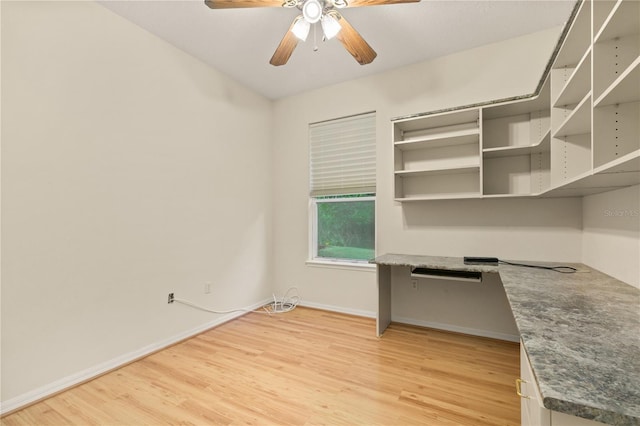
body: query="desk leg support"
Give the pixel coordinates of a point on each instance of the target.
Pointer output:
(383, 319)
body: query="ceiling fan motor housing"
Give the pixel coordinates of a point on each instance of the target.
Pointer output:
(312, 11)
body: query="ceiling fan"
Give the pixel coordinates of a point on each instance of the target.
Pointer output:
(313, 11)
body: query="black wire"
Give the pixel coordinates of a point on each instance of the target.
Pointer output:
(561, 269)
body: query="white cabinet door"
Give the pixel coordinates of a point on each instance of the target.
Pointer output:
(532, 412)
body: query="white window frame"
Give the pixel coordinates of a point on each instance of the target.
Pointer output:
(342, 161)
(314, 260)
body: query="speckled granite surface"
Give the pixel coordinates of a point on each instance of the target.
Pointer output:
(582, 335)
(581, 332)
(435, 262)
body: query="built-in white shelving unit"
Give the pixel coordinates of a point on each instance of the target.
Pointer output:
(429, 151)
(616, 91)
(516, 145)
(571, 106)
(579, 135)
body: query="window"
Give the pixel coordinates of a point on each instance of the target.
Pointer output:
(343, 184)
(344, 228)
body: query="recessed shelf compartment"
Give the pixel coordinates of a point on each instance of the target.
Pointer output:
(616, 132)
(517, 175)
(623, 20)
(623, 171)
(578, 40)
(509, 151)
(518, 161)
(577, 84)
(613, 59)
(446, 138)
(601, 13)
(432, 185)
(570, 158)
(437, 155)
(578, 121)
(606, 178)
(626, 88)
(435, 125)
(438, 158)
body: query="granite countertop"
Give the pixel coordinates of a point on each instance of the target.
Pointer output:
(581, 332)
(434, 262)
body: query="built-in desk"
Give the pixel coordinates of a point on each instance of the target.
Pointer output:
(581, 333)
(387, 261)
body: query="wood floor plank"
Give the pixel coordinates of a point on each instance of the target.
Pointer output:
(305, 367)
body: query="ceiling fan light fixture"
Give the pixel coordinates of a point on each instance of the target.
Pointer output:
(301, 29)
(312, 11)
(330, 26)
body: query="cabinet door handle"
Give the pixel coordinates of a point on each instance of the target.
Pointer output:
(519, 383)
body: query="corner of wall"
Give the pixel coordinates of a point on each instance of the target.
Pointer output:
(611, 233)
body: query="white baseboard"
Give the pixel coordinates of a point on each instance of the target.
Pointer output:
(340, 309)
(458, 329)
(97, 370)
(420, 323)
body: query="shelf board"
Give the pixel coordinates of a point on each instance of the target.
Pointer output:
(444, 196)
(595, 184)
(576, 192)
(578, 83)
(457, 137)
(542, 145)
(469, 168)
(624, 164)
(578, 122)
(444, 119)
(525, 195)
(622, 21)
(570, 186)
(619, 173)
(626, 88)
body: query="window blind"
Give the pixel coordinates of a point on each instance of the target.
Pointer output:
(343, 156)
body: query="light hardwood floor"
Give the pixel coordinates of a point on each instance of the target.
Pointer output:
(305, 367)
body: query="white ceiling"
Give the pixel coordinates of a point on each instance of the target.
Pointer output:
(240, 42)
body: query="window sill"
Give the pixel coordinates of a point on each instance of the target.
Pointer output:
(335, 264)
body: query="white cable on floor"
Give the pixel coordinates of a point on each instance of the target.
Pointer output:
(213, 311)
(286, 304)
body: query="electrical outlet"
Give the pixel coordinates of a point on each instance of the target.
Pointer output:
(414, 284)
(207, 287)
(170, 298)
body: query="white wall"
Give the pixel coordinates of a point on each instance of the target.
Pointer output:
(611, 233)
(545, 229)
(128, 172)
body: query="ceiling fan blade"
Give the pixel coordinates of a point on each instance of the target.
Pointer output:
(358, 3)
(286, 47)
(234, 4)
(353, 42)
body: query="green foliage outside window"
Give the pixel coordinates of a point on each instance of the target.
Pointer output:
(346, 229)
